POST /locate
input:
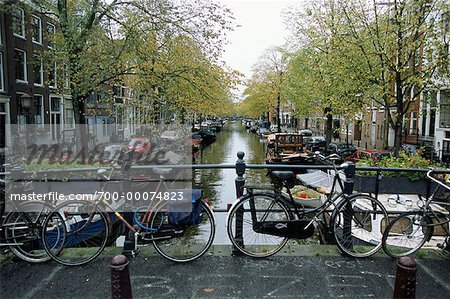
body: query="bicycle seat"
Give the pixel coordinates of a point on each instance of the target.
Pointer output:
(283, 175)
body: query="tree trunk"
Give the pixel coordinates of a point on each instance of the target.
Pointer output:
(278, 112)
(329, 126)
(399, 118)
(82, 138)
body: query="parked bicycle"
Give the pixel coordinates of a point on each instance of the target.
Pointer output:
(76, 232)
(409, 231)
(21, 228)
(261, 222)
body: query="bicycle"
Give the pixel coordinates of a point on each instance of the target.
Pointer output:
(21, 227)
(409, 231)
(76, 232)
(260, 223)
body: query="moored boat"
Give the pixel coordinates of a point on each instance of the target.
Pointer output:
(286, 148)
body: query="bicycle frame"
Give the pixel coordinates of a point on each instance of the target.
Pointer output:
(427, 210)
(331, 199)
(102, 202)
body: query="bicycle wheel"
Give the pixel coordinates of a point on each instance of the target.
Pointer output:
(22, 231)
(357, 225)
(182, 243)
(75, 233)
(406, 234)
(244, 238)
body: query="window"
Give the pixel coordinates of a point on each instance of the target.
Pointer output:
(69, 120)
(2, 81)
(52, 76)
(18, 22)
(445, 109)
(55, 117)
(413, 123)
(433, 106)
(23, 111)
(90, 100)
(36, 29)
(66, 76)
(3, 123)
(1, 33)
(38, 70)
(39, 108)
(20, 65)
(51, 30)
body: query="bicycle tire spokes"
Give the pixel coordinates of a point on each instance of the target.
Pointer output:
(358, 224)
(246, 238)
(22, 231)
(182, 243)
(405, 234)
(73, 236)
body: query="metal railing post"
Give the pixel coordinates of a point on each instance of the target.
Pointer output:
(405, 279)
(120, 278)
(348, 214)
(129, 245)
(239, 183)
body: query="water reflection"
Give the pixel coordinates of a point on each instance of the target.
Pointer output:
(218, 184)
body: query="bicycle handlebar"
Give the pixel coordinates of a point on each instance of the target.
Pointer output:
(331, 157)
(436, 180)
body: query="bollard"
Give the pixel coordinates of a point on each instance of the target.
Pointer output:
(405, 280)
(120, 278)
(239, 183)
(240, 171)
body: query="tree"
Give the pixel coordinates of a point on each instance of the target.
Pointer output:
(103, 42)
(370, 52)
(266, 88)
(321, 70)
(403, 48)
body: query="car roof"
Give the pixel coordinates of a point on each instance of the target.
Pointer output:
(374, 150)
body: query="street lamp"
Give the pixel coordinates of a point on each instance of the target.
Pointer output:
(25, 100)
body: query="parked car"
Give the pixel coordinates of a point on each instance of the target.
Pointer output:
(315, 143)
(375, 154)
(140, 145)
(206, 123)
(170, 135)
(342, 149)
(112, 152)
(305, 132)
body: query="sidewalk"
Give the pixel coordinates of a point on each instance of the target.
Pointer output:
(310, 271)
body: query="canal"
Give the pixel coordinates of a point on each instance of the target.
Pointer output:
(218, 184)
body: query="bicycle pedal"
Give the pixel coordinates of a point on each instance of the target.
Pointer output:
(135, 252)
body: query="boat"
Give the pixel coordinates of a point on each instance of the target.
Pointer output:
(196, 142)
(208, 136)
(286, 148)
(216, 126)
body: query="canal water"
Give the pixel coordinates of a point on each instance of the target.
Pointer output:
(218, 184)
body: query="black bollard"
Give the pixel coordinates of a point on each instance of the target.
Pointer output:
(120, 278)
(239, 183)
(405, 280)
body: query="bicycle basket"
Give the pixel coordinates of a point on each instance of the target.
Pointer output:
(177, 217)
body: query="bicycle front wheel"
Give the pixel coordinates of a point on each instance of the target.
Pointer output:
(358, 224)
(182, 243)
(75, 233)
(406, 234)
(22, 231)
(240, 225)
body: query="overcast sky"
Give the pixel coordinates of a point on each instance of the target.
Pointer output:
(261, 27)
